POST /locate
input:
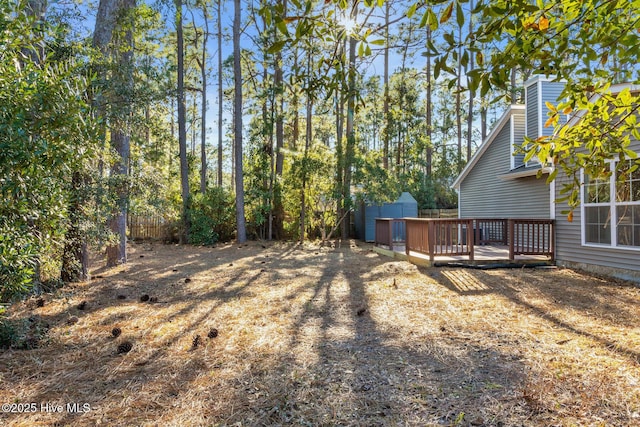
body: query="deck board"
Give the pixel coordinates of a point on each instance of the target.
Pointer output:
(483, 254)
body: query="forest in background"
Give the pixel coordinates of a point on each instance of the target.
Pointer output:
(318, 105)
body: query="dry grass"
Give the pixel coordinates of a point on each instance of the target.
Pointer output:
(329, 336)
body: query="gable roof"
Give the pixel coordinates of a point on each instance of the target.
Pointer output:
(613, 89)
(502, 122)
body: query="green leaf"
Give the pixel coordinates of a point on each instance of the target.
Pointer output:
(432, 20)
(282, 27)
(449, 38)
(425, 17)
(464, 61)
(412, 10)
(459, 15)
(276, 47)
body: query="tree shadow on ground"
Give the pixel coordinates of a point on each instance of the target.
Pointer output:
(535, 295)
(307, 336)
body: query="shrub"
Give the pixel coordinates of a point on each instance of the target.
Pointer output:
(18, 257)
(212, 217)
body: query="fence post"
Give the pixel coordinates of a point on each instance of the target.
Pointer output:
(390, 222)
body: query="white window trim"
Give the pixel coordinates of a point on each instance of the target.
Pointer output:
(613, 206)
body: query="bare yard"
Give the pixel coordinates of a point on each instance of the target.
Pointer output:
(278, 334)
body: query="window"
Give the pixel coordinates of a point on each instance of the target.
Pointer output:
(613, 221)
(628, 205)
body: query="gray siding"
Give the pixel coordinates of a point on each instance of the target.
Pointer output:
(569, 248)
(484, 195)
(518, 137)
(550, 93)
(531, 102)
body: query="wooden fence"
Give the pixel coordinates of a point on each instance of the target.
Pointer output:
(438, 213)
(147, 227)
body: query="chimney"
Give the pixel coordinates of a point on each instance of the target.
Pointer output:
(539, 90)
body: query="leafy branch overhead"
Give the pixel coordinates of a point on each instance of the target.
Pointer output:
(587, 44)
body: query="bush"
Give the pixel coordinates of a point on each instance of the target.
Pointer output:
(22, 334)
(8, 333)
(18, 256)
(212, 217)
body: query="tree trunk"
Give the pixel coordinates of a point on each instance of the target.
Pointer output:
(339, 155)
(182, 128)
(307, 146)
(203, 75)
(351, 136)
(294, 107)
(385, 160)
(483, 121)
(278, 208)
(110, 14)
(220, 92)
(237, 109)
(471, 92)
(459, 106)
(429, 109)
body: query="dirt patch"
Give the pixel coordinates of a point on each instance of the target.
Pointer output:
(278, 334)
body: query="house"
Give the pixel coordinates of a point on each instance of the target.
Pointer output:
(604, 235)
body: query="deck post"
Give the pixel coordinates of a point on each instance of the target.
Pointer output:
(471, 241)
(431, 239)
(505, 232)
(552, 240)
(511, 239)
(406, 236)
(475, 224)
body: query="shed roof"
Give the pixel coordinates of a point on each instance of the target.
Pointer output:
(406, 198)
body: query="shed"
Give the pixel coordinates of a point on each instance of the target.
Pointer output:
(366, 214)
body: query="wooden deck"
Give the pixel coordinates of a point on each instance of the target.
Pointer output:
(475, 242)
(484, 256)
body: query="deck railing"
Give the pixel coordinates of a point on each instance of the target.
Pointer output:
(491, 230)
(531, 237)
(390, 231)
(433, 237)
(457, 237)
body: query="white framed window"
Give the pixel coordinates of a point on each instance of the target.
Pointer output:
(611, 207)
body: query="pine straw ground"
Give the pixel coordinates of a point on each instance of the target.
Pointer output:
(328, 336)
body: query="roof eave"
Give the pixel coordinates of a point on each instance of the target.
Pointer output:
(485, 145)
